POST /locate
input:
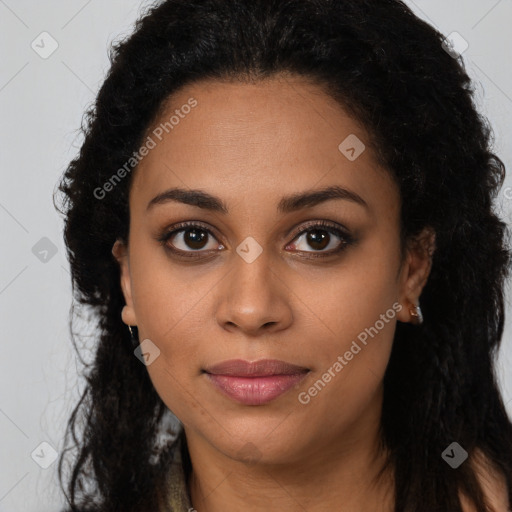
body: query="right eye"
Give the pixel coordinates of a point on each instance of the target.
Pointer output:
(192, 237)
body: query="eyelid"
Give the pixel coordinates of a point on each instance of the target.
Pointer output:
(325, 224)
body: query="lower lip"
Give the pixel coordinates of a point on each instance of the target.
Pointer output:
(255, 390)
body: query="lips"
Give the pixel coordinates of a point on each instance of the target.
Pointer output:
(261, 368)
(255, 383)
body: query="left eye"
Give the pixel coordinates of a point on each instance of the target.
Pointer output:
(319, 239)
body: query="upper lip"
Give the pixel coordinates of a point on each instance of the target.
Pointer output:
(261, 368)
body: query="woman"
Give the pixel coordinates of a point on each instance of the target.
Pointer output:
(281, 218)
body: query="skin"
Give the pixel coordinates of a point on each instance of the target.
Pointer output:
(251, 144)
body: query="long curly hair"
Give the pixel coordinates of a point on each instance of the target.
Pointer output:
(416, 101)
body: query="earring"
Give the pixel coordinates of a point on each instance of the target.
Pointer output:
(416, 314)
(134, 338)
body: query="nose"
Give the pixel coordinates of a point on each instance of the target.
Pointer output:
(253, 298)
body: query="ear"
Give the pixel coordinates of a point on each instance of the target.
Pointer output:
(120, 252)
(415, 271)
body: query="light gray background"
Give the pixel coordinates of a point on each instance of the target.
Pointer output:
(42, 102)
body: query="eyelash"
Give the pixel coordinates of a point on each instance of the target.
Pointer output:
(347, 239)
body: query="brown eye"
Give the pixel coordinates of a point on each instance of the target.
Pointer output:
(193, 238)
(319, 237)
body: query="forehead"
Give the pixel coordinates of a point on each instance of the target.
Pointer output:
(256, 141)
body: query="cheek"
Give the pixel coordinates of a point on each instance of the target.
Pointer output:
(169, 303)
(167, 296)
(359, 326)
(175, 321)
(357, 306)
(352, 297)
(349, 365)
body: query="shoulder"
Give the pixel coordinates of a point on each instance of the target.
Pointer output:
(494, 486)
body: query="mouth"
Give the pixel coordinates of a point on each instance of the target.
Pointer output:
(255, 383)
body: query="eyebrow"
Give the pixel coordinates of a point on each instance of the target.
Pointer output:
(287, 204)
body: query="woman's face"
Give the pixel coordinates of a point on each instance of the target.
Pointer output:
(258, 280)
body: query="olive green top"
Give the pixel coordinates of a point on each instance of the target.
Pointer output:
(179, 494)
